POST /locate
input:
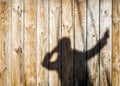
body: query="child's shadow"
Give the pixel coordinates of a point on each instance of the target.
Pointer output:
(63, 50)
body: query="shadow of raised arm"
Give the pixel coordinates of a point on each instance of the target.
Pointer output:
(96, 49)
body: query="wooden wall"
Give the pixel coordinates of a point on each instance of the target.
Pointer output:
(59, 43)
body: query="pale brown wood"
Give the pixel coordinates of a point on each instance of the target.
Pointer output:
(54, 38)
(42, 42)
(50, 42)
(92, 40)
(105, 53)
(5, 43)
(116, 44)
(17, 43)
(30, 56)
(67, 43)
(80, 42)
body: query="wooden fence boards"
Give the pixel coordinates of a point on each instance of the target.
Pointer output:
(105, 53)
(5, 43)
(30, 51)
(67, 43)
(42, 42)
(59, 43)
(54, 39)
(17, 43)
(92, 40)
(116, 43)
(80, 42)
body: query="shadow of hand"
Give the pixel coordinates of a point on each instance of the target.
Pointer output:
(104, 40)
(46, 60)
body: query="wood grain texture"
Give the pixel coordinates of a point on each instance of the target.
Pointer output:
(54, 38)
(105, 53)
(30, 56)
(80, 42)
(42, 42)
(17, 43)
(67, 43)
(59, 43)
(116, 43)
(92, 40)
(5, 43)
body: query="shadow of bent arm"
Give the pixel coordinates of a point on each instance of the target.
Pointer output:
(46, 61)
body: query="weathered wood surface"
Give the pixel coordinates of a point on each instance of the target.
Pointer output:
(106, 52)
(80, 42)
(30, 51)
(116, 43)
(92, 40)
(54, 39)
(17, 43)
(67, 43)
(5, 43)
(59, 43)
(42, 41)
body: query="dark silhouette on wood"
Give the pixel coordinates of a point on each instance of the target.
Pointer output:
(80, 77)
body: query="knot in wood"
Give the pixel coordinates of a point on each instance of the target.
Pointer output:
(18, 49)
(106, 13)
(17, 10)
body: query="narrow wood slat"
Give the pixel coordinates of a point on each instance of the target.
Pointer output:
(5, 43)
(116, 43)
(105, 53)
(80, 42)
(30, 56)
(67, 43)
(42, 42)
(17, 43)
(92, 40)
(55, 44)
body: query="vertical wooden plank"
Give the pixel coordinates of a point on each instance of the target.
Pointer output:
(67, 43)
(42, 42)
(5, 43)
(105, 53)
(116, 44)
(80, 43)
(92, 39)
(55, 48)
(30, 43)
(17, 43)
